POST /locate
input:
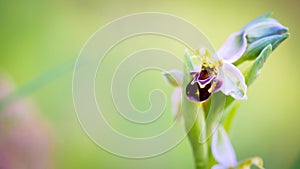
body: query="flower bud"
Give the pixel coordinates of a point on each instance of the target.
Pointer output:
(254, 49)
(259, 33)
(264, 29)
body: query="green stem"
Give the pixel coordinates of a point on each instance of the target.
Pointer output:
(194, 118)
(38, 82)
(195, 124)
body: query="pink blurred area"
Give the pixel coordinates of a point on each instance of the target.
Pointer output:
(25, 138)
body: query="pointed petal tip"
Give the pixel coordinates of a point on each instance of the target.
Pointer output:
(287, 34)
(188, 60)
(268, 14)
(186, 52)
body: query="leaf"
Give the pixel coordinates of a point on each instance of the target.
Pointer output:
(215, 113)
(40, 81)
(229, 115)
(296, 163)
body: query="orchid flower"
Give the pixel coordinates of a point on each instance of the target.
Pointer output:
(216, 71)
(211, 75)
(224, 153)
(214, 74)
(207, 72)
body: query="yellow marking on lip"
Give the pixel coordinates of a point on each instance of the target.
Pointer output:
(210, 89)
(202, 86)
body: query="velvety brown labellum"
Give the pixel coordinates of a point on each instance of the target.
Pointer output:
(195, 93)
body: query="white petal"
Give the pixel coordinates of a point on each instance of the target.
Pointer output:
(176, 103)
(233, 82)
(222, 149)
(233, 48)
(218, 166)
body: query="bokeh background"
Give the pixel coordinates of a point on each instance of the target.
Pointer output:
(37, 36)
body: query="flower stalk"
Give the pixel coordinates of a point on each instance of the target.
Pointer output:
(208, 88)
(194, 119)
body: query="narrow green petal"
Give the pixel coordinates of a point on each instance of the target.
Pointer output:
(188, 61)
(173, 77)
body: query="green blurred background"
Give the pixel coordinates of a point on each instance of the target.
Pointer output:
(38, 35)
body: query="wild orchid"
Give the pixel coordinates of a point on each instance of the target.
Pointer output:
(207, 73)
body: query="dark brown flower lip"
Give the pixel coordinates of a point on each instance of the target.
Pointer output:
(197, 93)
(200, 87)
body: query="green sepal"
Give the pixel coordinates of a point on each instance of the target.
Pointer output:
(253, 72)
(173, 77)
(255, 48)
(258, 19)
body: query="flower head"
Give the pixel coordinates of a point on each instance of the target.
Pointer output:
(215, 74)
(204, 77)
(217, 71)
